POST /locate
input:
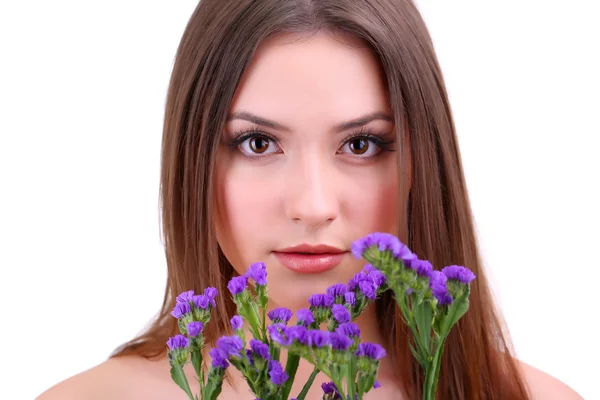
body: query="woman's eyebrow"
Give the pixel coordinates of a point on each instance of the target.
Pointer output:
(354, 123)
(257, 120)
(360, 121)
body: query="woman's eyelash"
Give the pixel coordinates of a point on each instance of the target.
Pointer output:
(241, 136)
(382, 140)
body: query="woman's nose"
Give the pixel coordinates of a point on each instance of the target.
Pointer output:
(311, 195)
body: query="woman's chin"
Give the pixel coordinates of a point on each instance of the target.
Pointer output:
(295, 295)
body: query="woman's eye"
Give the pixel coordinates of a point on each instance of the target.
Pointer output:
(258, 145)
(361, 146)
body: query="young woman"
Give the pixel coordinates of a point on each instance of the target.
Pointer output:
(293, 128)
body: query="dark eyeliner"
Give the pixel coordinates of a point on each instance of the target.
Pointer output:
(239, 137)
(379, 139)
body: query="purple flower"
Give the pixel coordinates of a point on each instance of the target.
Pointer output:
(299, 334)
(383, 241)
(278, 333)
(260, 349)
(405, 255)
(339, 341)
(321, 300)
(377, 277)
(459, 273)
(194, 328)
(421, 267)
(237, 284)
(376, 385)
(340, 313)
(181, 309)
(276, 373)
(349, 329)
(280, 315)
(354, 281)
(201, 301)
(305, 316)
(337, 290)
(319, 338)
(178, 342)
(368, 289)
(211, 293)
(249, 356)
(368, 268)
(185, 297)
(230, 345)
(258, 272)
(236, 322)
(358, 247)
(439, 289)
(219, 358)
(329, 388)
(370, 350)
(350, 298)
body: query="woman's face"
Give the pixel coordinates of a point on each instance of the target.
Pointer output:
(307, 164)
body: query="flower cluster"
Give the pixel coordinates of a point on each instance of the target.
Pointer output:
(404, 269)
(193, 313)
(429, 300)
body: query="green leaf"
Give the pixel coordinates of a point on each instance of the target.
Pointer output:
(369, 382)
(424, 320)
(213, 386)
(456, 310)
(197, 363)
(417, 355)
(180, 379)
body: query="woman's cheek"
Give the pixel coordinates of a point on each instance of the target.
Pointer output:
(371, 199)
(247, 209)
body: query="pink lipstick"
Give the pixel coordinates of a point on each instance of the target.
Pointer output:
(310, 259)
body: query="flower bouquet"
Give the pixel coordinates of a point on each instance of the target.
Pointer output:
(431, 303)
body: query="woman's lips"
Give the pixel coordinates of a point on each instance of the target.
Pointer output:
(309, 263)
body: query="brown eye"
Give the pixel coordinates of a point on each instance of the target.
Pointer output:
(259, 144)
(359, 145)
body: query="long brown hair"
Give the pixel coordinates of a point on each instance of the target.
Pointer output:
(217, 45)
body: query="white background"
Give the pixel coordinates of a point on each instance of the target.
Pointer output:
(82, 91)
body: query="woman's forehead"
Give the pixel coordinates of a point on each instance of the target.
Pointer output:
(319, 78)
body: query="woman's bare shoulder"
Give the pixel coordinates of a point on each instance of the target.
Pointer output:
(95, 383)
(544, 386)
(128, 377)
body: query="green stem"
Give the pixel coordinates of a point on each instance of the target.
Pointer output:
(264, 324)
(197, 362)
(350, 379)
(251, 316)
(337, 379)
(291, 367)
(432, 372)
(308, 384)
(409, 321)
